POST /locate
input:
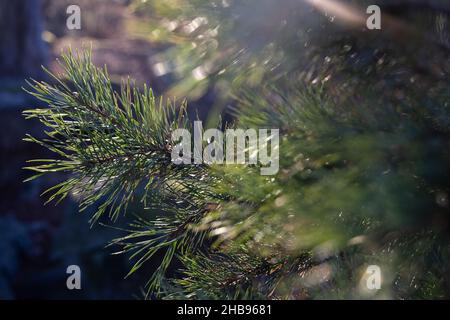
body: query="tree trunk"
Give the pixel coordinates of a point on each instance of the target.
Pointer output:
(22, 51)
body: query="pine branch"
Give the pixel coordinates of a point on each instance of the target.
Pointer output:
(347, 179)
(112, 142)
(113, 145)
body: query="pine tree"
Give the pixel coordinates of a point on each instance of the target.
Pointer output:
(363, 179)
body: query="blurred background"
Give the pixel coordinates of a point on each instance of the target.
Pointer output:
(197, 49)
